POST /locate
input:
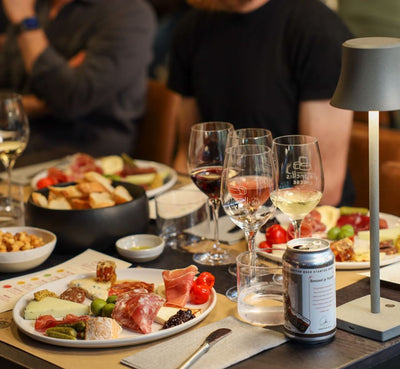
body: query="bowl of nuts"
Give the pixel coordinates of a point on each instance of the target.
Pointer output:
(23, 248)
(91, 213)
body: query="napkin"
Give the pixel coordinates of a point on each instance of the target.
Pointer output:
(389, 273)
(244, 341)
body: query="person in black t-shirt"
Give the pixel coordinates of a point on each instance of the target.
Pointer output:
(265, 63)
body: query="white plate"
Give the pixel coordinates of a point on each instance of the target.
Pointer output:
(169, 181)
(127, 337)
(392, 220)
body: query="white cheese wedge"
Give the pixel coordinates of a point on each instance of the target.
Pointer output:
(93, 289)
(165, 313)
(102, 328)
(55, 307)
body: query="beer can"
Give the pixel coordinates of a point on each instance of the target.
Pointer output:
(309, 290)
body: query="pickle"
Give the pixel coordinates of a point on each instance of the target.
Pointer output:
(78, 326)
(347, 210)
(65, 330)
(66, 333)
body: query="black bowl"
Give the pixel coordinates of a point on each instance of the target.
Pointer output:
(98, 229)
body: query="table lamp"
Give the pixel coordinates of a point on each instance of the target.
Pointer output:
(370, 81)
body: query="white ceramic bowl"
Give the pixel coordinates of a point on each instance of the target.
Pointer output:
(140, 247)
(19, 261)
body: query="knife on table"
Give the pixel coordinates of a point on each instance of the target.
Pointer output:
(210, 341)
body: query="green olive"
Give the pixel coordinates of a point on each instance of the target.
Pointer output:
(112, 299)
(346, 231)
(333, 233)
(97, 306)
(107, 309)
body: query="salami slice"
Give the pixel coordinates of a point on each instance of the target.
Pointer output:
(126, 286)
(137, 310)
(74, 294)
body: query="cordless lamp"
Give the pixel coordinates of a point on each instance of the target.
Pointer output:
(370, 81)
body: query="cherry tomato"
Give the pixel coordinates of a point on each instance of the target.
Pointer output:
(306, 231)
(276, 234)
(206, 279)
(199, 294)
(265, 245)
(45, 182)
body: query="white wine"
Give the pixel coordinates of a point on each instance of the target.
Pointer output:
(11, 150)
(296, 203)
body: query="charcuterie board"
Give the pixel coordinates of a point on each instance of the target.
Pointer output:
(127, 337)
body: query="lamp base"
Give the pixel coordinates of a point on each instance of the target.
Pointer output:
(356, 317)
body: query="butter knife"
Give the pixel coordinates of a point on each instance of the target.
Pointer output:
(210, 341)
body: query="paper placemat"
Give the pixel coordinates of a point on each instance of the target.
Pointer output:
(86, 262)
(389, 273)
(244, 341)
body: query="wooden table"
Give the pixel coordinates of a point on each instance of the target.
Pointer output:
(344, 351)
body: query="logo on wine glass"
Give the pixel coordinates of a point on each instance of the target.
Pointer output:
(298, 171)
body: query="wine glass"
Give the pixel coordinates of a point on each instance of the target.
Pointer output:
(247, 180)
(300, 177)
(14, 135)
(248, 136)
(205, 160)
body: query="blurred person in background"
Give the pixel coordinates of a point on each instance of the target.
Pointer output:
(169, 13)
(265, 63)
(3, 27)
(81, 66)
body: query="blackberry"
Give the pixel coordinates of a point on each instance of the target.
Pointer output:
(180, 317)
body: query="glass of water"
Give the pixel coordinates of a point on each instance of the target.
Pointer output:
(260, 289)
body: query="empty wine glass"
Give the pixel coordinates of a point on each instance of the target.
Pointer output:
(205, 160)
(14, 135)
(247, 180)
(300, 177)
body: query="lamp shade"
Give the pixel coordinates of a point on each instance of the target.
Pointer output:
(370, 75)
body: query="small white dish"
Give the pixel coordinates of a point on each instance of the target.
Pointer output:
(19, 261)
(140, 247)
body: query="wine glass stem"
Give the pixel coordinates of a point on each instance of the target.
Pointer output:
(9, 168)
(215, 208)
(297, 227)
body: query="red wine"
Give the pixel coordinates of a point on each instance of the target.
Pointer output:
(253, 190)
(208, 180)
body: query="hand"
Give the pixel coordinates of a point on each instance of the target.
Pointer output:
(17, 10)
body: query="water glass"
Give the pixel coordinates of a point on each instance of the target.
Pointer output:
(260, 289)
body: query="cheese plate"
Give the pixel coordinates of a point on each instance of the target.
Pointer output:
(360, 246)
(169, 176)
(127, 337)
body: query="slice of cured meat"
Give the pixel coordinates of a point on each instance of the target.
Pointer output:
(137, 310)
(48, 321)
(126, 286)
(178, 283)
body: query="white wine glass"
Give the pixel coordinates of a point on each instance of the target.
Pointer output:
(247, 180)
(14, 135)
(300, 177)
(205, 160)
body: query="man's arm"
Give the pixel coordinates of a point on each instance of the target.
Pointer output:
(188, 114)
(332, 127)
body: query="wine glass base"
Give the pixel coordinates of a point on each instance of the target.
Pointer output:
(231, 293)
(220, 258)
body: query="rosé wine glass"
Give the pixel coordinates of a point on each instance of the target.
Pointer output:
(247, 180)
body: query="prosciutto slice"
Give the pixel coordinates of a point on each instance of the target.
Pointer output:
(178, 283)
(137, 309)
